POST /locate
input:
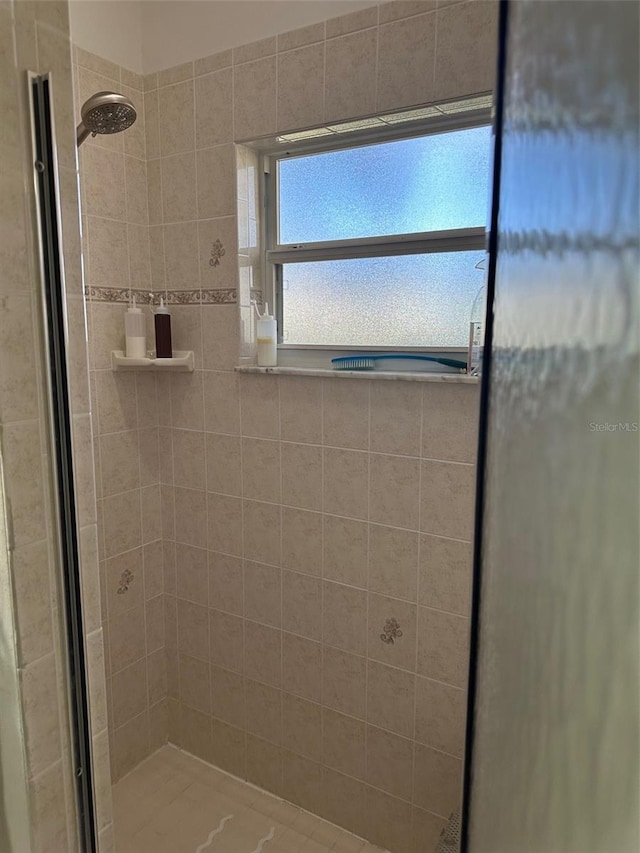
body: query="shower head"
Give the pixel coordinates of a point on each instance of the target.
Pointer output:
(105, 112)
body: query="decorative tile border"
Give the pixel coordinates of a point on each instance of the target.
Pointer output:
(225, 296)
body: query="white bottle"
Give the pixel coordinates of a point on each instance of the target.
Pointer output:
(135, 332)
(266, 336)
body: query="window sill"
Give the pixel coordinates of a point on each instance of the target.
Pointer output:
(406, 376)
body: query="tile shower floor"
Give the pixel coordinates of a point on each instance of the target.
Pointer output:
(174, 803)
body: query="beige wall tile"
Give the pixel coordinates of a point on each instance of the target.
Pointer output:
(124, 581)
(175, 74)
(221, 402)
(116, 399)
(157, 676)
(193, 629)
(263, 653)
(188, 453)
(301, 37)
(181, 256)
(40, 710)
(264, 711)
(344, 682)
(301, 409)
(351, 22)
(126, 641)
(393, 561)
(264, 765)
(134, 140)
(177, 117)
(404, 9)
(426, 828)
(343, 743)
(192, 573)
(104, 184)
(395, 418)
(302, 476)
(302, 605)
(213, 63)
(450, 423)
(107, 268)
(402, 651)
(262, 532)
(220, 336)
(406, 59)
(225, 583)
(97, 682)
(194, 683)
(120, 473)
(302, 541)
(214, 108)
(259, 406)
(441, 712)
(301, 667)
(345, 550)
(136, 190)
(216, 182)
(156, 215)
(224, 524)
(195, 732)
(179, 187)
(344, 801)
(152, 124)
(154, 624)
(152, 558)
(390, 698)
(301, 87)
(227, 696)
(139, 257)
(350, 58)
(345, 414)
(32, 592)
(223, 464)
(261, 469)
(344, 617)
(437, 781)
(21, 446)
(254, 50)
(468, 31)
(302, 782)
(263, 593)
(388, 820)
(49, 810)
(446, 506)
(302, 726)
(445, 574)
(346, 478)
(187, 406)
(390, 763)
(158, 725)
(255, 98)
(227, 643)
(129, 692)
(443, 646)
(122, 522)
(191, 517)
(394, 490)
(229, 748)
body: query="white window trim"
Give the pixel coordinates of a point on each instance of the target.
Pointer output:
(274, 254)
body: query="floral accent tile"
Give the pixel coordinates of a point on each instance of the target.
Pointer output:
(222, 296)
(217, 252)
(183, 297)
(391, 632)
(226, 296)
(126, 579)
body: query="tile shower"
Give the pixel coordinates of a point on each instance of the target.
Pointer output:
(269, 602)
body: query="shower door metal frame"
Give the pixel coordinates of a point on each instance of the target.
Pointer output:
(60, 424)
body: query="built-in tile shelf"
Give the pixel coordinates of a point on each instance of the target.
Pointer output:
(423, 376)
(182, 362)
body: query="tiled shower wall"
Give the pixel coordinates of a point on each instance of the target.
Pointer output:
(300, 516)
(34, 36)
(125, 428)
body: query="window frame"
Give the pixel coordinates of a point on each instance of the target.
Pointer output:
(275, 255)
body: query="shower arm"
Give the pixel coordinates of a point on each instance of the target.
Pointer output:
(81, 133)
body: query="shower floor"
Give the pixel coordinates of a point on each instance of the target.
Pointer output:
(174, 803)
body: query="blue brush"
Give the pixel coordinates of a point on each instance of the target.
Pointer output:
(368, 362)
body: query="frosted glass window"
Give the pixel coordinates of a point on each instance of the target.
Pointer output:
(430, 183)
(404, 300)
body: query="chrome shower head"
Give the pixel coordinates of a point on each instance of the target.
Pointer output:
(105, 112)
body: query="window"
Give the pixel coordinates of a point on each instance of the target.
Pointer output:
(373, 242)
